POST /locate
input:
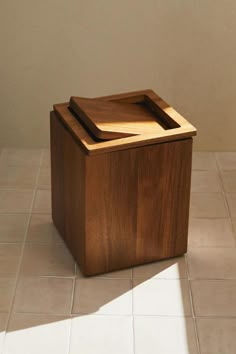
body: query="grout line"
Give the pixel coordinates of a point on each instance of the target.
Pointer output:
(10, 311)
(222, 189)
(225, 198)
(218, 192)
(80, 314)
(27, 213)
(71, 307)
(13, 214)
(212, 317)
(132, 304)
(192, 306)
(21, 188)
(213, 280)
(11, 243)
(37, 243)
(73, 289)
(22, 213)
(210, 217)
(71, 277)
(69, 336)
(207, 247)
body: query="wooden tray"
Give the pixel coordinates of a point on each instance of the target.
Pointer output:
(122, 121)
(109, 120)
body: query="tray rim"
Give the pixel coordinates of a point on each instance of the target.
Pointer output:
(92, 147)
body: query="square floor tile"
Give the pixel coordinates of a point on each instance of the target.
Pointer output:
(21, 157)
(205, 181)
(47, 259)
(37, 334)
(226, 160)
(42, 203)
(45, 178)
(9, 258)
(3, 324)
(209, 205)
(42, 230)
(212, 263)
(13, 227)
(231, 199)
(6, 290)
(216, 335)
(229, 181)
(204, 161)
(103, 296)
(101, 335)
(43, 295)
(22, 177)
(164, 335)
(16, 201)
(174, 268)
(210, 233)
(161, 297)
(214, 297)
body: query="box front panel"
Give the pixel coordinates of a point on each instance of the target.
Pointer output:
(137, 205)
(111, 190)
(164, 175)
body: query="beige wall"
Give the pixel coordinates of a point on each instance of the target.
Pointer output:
(184, 49)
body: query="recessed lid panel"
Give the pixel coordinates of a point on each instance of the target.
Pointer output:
(109, 120)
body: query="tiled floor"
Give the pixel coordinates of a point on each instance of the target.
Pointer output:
(180, 306)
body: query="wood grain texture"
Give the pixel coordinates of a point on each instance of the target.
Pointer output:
(137, 206)
(68, 188)
(123, 208)
(57, 173)
(74, 198)
(164, 111)
(111, 120)
(123, 202)
(111, 211)
(164, 176)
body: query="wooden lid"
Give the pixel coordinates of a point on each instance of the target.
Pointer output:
(109, 120)
(120, 121)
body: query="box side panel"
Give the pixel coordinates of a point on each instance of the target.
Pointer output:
(164, 177)
(57, 173)
(111, 194)
(74, 187)
(68, 189)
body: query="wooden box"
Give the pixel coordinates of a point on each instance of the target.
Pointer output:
(121, 170)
